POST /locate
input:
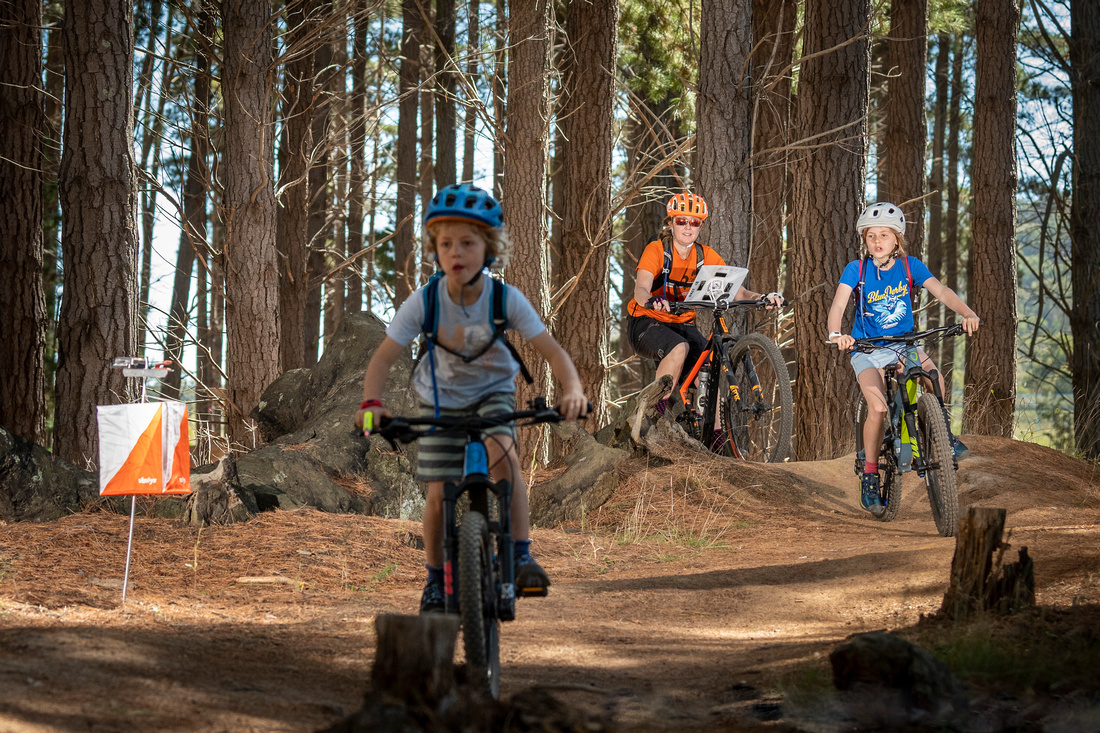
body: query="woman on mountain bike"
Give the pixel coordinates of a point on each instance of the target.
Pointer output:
(472, 372)
(666, 270)
(882, 283)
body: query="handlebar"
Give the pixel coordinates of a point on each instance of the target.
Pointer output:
(721, 305)
(407, 429)
(871, 344)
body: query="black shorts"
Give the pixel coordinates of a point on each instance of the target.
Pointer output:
(653, 339)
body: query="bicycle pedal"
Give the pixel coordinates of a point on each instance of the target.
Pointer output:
(535, 592)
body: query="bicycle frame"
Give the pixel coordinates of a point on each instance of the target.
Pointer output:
(478, 485)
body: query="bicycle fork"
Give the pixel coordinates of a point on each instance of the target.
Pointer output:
(477, 484)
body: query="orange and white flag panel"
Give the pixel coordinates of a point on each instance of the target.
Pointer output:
(143, 449)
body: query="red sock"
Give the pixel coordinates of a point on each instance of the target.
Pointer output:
(869, 467)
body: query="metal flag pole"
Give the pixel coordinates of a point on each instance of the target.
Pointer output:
(136, 367)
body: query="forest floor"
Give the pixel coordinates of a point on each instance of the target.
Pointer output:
(689, 602)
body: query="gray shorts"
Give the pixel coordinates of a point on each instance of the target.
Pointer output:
(441, 455)
(877, 359)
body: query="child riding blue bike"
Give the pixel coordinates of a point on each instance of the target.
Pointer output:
(882, 283)
(467, 367)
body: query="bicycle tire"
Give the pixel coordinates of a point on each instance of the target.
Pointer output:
(760, 428)
(935, 445)
(477, 604)
(890, 485)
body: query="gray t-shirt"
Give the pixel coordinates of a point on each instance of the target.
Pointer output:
(466, 330)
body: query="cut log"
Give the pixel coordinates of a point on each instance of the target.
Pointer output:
(414, 658)
(979, 580)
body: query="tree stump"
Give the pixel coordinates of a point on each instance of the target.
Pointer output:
(414, 659)
(979, 581)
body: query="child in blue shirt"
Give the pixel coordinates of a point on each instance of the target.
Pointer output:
(465, 230)
(885, 308)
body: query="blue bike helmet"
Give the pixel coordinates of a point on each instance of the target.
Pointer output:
(464, 202)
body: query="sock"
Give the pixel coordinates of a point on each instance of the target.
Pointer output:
(435, 575)
(870, 467)
(521, 548)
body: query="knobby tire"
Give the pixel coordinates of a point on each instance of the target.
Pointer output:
(477, 604)
(935, 445)
(764, 435)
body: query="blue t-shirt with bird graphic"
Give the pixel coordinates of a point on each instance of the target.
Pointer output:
(885, 305)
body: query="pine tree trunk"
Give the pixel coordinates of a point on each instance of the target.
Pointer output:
(251, 272)
(524, 180)
(586, 124)
(1085, 235)
(990, 397)
(934, 258)
(472, 54)
(406, 153)
(296, 143)
(828, 195)
(723, 113)
(99, 231)
(357, 132)
(446, 166)
(22, 297)
(951, 219)
(773, 32)
(905, 132)
(319, 176)
(499, 72)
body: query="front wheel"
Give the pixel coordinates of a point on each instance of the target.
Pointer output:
(935, 449)
(755, 400)
(477, 604)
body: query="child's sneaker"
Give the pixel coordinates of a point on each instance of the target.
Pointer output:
(959, 449)
(433, 599)
(662, 406)
(717, 438)
(869, 497)
(531, 579)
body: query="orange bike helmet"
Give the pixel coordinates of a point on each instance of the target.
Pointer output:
(687, 204)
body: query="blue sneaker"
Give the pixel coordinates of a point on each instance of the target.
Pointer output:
(869, 497)
(433, 599)
(959, 449)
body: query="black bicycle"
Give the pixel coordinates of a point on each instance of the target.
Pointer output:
(917, 437)
(744, 381)
(483, 591)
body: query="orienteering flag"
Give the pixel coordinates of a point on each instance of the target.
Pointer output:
(143, 449)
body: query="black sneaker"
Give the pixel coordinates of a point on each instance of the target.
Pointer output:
(959, 449)
(869, 496)
(531, 579)
(433, 599)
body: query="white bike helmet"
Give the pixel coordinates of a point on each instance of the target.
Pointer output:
(881, 214)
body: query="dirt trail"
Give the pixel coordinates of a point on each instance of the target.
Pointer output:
(680, 605)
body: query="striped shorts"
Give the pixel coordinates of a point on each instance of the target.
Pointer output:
(440, 455)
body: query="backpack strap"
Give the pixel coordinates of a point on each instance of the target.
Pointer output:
(857, 292)
(661, 285)
(498, 319)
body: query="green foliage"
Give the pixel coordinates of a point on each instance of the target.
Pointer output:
(949, 16)
(658, 45)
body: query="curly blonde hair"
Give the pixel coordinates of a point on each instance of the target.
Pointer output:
(498, 246)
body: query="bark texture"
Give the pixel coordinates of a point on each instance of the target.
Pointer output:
(903, 166)
(828, 193)
(773, 32)
(251, 273)
(723, 113)
(990, 391)
(404, 262)
(585, 121)
(98, 319)
(22, 298)
(1085, 251)
(524, 181)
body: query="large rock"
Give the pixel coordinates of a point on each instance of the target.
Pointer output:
(36, 486)
(314, 456)
(893, 683)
